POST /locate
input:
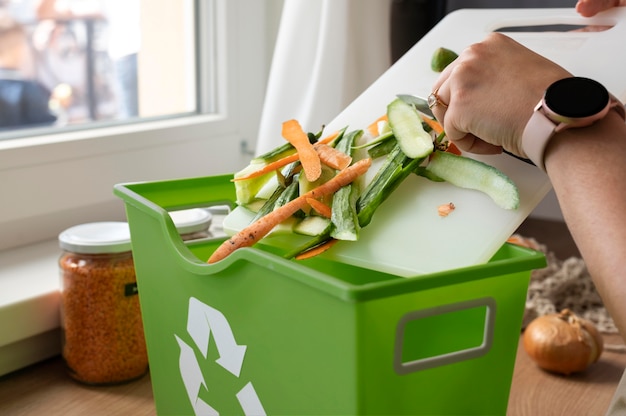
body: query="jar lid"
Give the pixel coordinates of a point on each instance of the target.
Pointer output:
(97, 238)
(191, 220)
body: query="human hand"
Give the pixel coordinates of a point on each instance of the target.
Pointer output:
(491, 90)
(588, 8)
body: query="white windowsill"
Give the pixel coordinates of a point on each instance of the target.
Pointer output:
(29, 305)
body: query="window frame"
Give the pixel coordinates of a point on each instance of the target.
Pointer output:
(51, 181)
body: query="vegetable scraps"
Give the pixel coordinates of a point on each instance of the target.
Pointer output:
(317, 179)
(259, 229)
(317, 186)
(311, 164)
(445, 209)
(441, 58)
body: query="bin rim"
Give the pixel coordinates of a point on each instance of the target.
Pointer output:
(136, 194)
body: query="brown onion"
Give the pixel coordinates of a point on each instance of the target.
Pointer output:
(563, 342)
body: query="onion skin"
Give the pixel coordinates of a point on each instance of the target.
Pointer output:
(563, 342)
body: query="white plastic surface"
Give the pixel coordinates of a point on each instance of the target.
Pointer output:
(407, 236)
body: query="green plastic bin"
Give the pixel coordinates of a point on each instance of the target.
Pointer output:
(257, 334)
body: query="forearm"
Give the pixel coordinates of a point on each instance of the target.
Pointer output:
(587, 168)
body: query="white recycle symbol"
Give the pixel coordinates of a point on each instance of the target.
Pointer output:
(201, 321)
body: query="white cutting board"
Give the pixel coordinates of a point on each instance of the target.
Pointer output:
(407, 236)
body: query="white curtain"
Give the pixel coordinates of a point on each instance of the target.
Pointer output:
(327, 52)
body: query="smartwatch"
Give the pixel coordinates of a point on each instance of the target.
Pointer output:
(569, 102)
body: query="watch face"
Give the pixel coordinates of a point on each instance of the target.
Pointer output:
(576, 97)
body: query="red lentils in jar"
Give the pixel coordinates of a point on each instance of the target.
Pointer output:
(103, 339)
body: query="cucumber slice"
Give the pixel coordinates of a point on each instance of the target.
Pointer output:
(379, 139)
(468, 173)
(269, 204)
(268, 189)
(421, 171)
(344, 216)
(382, 149)
(306, 186)
(312, 225)
(247, 190)
(406, 125)
(395, 169)
(255, 205)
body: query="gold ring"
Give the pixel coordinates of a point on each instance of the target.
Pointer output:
(433, 100)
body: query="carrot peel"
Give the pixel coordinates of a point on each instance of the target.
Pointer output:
(332, 157)
(280, 163)
(320, 207)
(433, 124)
(317, 250)
(311, 164)
(328, 139)
(373, 128)
(438, 129)
(251, 234)
(452, 148)
(275, 165)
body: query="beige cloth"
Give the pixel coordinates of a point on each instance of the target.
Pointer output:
(564, 284)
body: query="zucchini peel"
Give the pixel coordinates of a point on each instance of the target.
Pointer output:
(469, 173)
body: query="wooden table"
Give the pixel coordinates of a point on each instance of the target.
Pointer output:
(44, 389)
(535, 392)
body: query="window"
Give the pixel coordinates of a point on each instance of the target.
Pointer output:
(98, 59)
(200, 90)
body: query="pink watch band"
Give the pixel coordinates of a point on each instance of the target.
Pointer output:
(540, 129)
(536, 136)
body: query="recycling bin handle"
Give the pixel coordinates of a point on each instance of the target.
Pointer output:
(402, 367)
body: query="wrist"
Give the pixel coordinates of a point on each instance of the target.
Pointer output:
(571, 102)
(580, 147)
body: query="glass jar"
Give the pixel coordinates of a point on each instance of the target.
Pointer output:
(103, 338)
(192, 224)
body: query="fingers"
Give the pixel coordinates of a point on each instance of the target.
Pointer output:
(481, 116)
(447, 110)
(442, 94)
(435, 100)
(588, 8)
(437, 105)
(469, 143)
(464, 141)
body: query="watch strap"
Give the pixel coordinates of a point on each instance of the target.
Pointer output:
(537, 134)
(540, 129)
(618, 106)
